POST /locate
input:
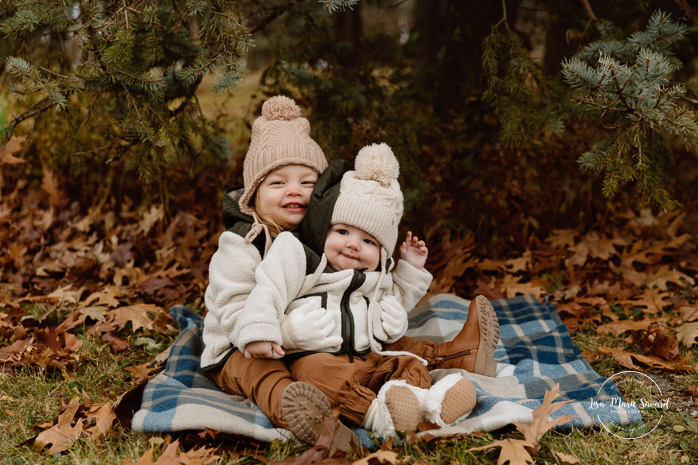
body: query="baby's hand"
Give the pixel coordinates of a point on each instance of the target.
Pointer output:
(262, 349)
(414, 251)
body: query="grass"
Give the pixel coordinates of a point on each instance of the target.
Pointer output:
(31, 396)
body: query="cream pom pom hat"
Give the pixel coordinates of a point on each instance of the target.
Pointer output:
(370, 197)
(280, 137)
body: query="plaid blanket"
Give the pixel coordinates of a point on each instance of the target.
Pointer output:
(535, 352)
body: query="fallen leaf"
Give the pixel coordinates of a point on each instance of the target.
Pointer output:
(381, 456)
(51, 185)
(566, 458)
(136, 314)
(626, 359)
(513, 287)
(688, 314)
(117, 344)
(688, 334)
(107, 296)
(593, 245)
(62, 434)
(659, 341)
(541, 423)
(484, 289)
(201, 456)
(65, 295)
(666, 275)
(12, 146)
(150, 218)
(519, 264)
(140, 372)
(515, 451)
(146, 459)
(562, 238)
(103, 417)
(619, 327)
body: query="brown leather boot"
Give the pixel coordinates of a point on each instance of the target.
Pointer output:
(303, 406)
(473, 348)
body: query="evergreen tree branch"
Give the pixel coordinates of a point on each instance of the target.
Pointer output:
(504, 16)
(34, 110)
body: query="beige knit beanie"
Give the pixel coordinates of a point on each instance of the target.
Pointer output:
(280, 137)
(370, 197)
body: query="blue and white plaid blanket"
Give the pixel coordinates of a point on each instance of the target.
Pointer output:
(535, 352)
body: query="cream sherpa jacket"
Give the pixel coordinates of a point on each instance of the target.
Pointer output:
(282, 276)
(231, 279)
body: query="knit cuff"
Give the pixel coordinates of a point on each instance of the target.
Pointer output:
(259, 332)
(409, 273)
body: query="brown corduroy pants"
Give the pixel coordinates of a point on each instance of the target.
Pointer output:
(262, 380)
(352, 386)
(349, 386)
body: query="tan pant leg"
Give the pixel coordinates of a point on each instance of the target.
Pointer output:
(343, 382)
(424, 349)
(392, 368)
(261, 380)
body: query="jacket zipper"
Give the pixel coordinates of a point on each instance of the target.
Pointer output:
(347, 320)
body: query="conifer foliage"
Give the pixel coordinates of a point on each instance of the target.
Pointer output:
(131, 66)
(518, 89)
(625, 83)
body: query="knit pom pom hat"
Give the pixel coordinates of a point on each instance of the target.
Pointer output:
(370, 197)
(280, 137)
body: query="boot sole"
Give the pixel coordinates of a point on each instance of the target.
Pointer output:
(458, 401)
(303, 407)
(488, 323)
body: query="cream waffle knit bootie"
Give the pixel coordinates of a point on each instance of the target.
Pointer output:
(401, 407)
(449, 400)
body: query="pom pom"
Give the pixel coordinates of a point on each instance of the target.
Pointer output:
(281, 108)
(376, 162)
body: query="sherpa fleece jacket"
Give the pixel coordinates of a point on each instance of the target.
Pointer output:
(345, 294)
(231, 279)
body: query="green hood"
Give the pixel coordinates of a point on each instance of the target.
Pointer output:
(231, 208)
(322, 201)
(239, 223)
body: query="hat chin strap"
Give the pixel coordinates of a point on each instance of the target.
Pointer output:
(375, 348)
(257, 228)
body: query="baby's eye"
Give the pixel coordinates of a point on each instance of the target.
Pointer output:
(343, 232)
(308, 183)
(368, 241)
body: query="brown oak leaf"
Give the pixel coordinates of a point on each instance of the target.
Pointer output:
(513, 287)
(12, 146)
(688, 334)
(62, 434)
(627, 359)
(619, 327)
(541, 424)
(515, 451)
(136, 314)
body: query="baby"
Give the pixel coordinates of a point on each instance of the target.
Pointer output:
(331, 316)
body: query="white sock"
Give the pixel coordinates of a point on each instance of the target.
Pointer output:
(371, 415)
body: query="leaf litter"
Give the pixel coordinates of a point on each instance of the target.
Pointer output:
(114, 274)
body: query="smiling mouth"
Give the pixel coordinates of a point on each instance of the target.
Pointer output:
(293, 206)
